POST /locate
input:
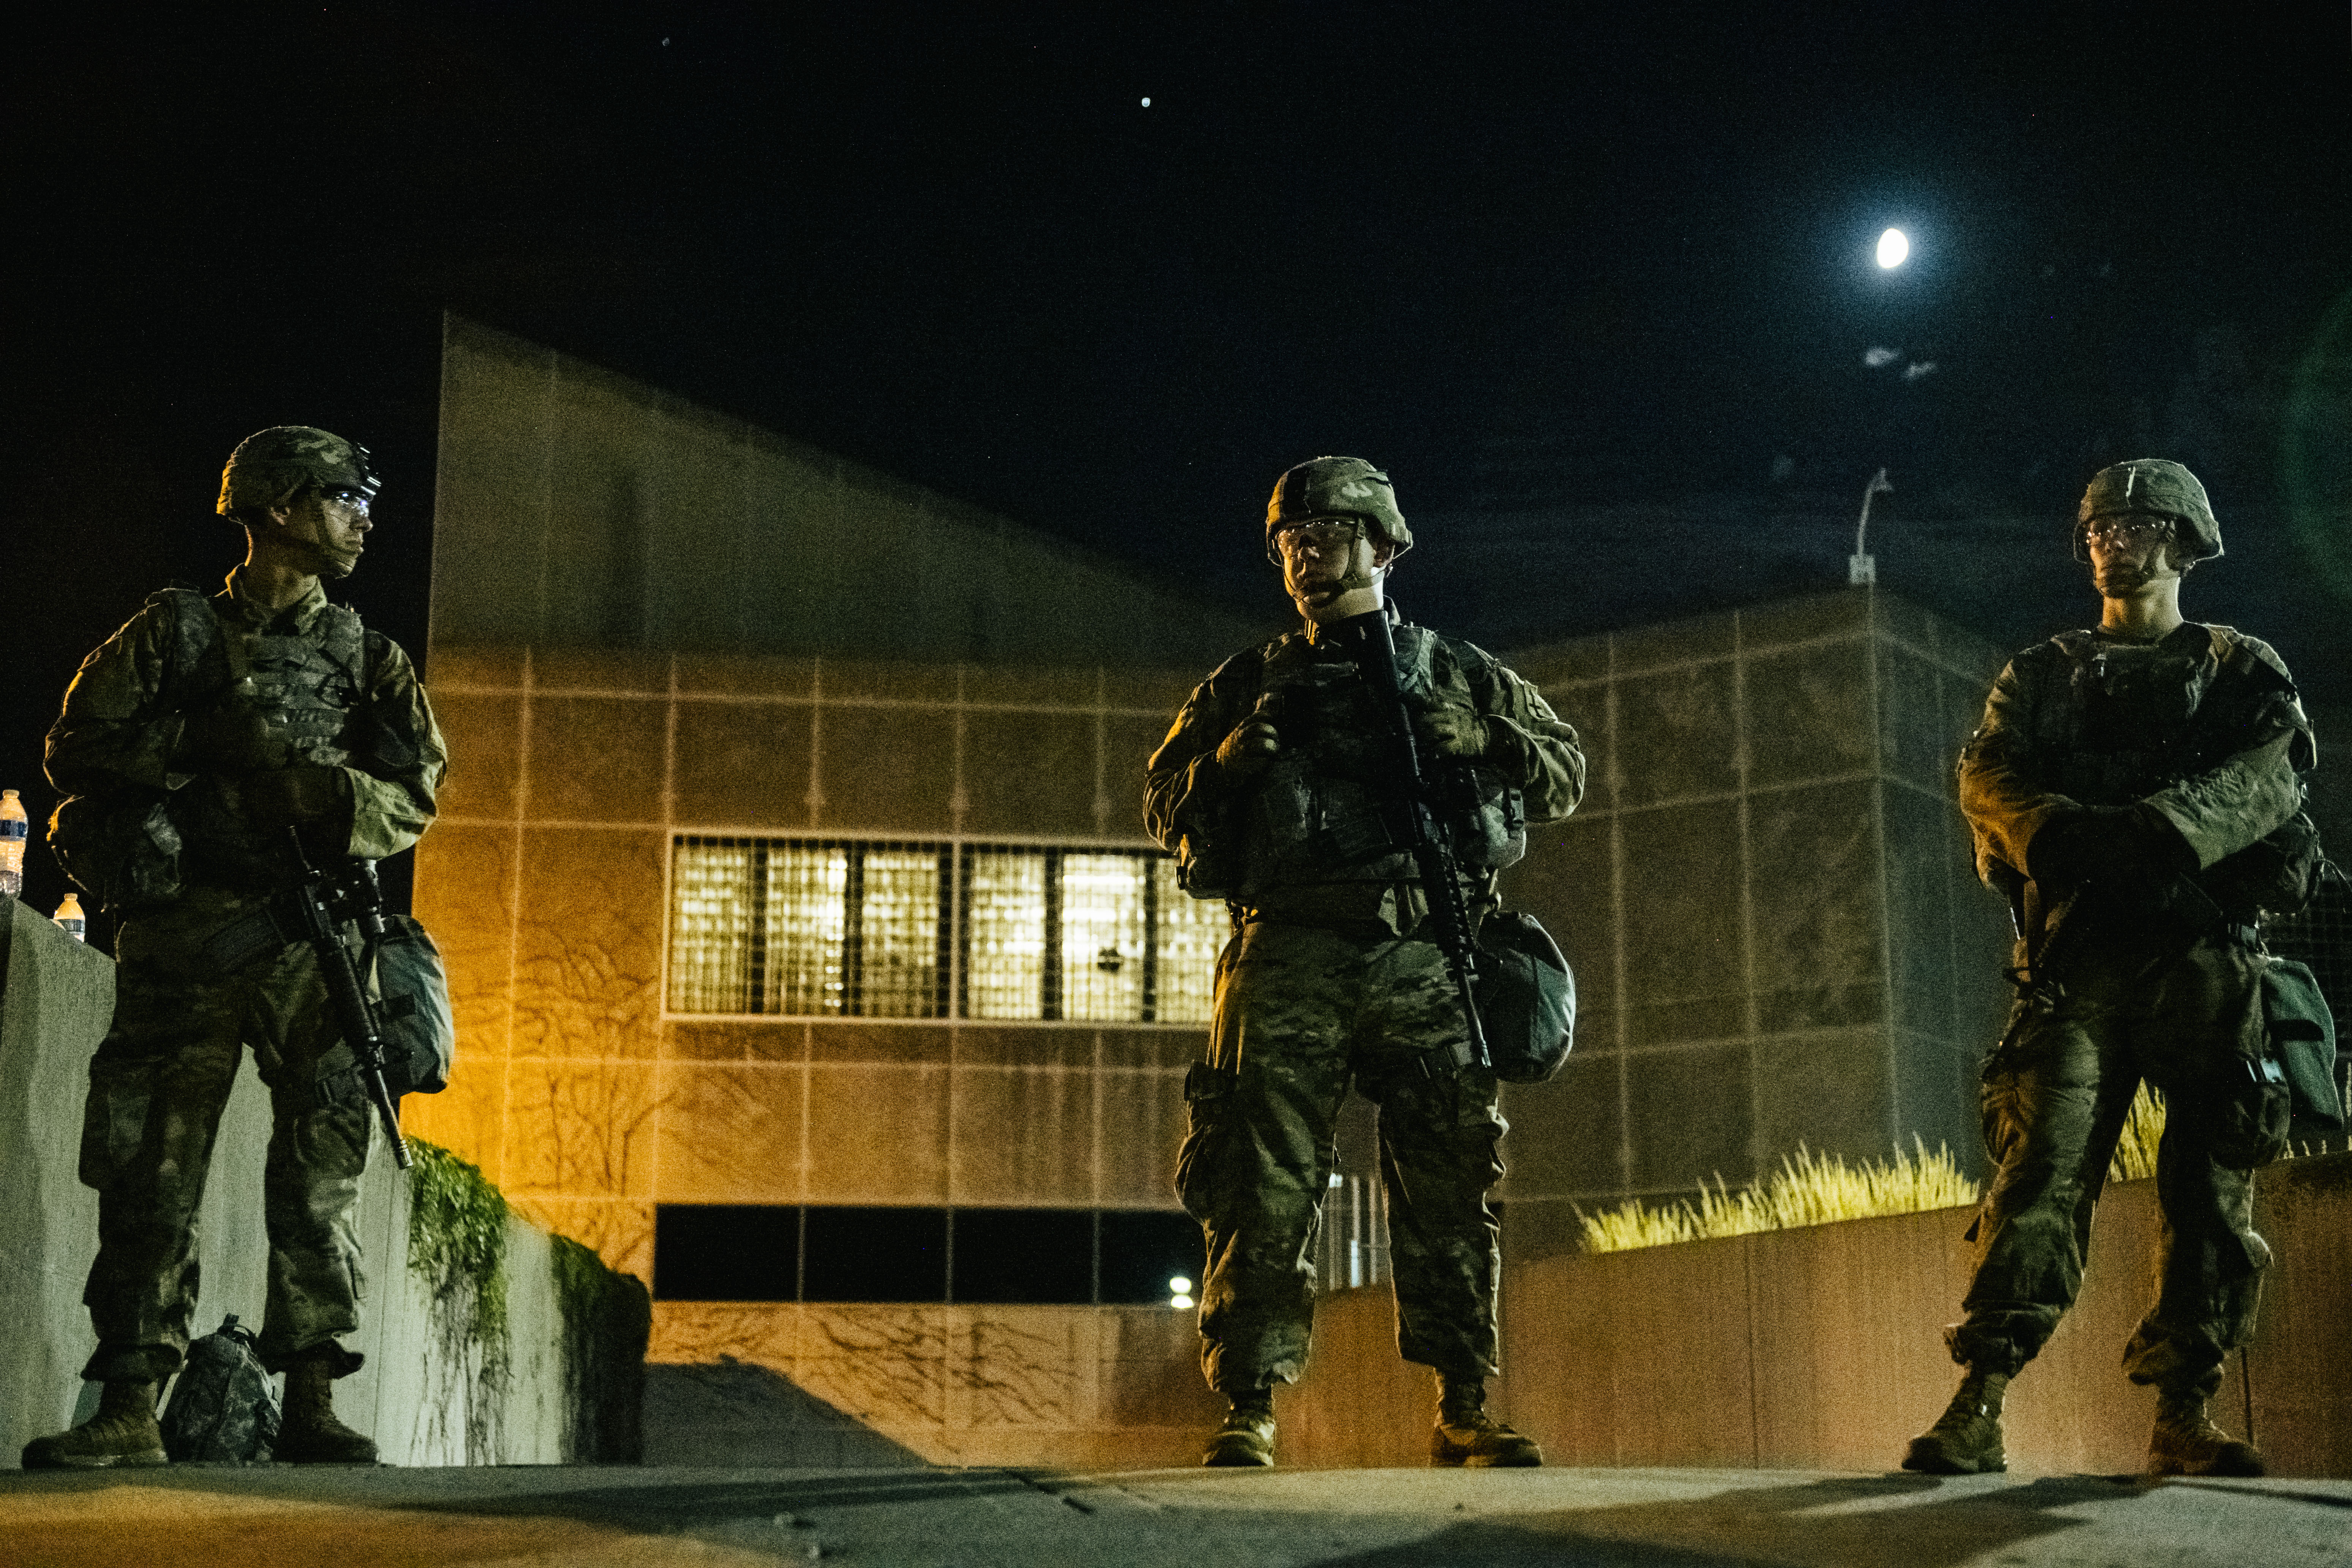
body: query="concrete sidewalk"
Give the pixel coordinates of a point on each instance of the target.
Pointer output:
(274, 1516)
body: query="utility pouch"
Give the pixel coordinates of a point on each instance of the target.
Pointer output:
(125, 852)
(224, 1408)
(1208, 1092)
(1526, 997)
(420, 1034)
(1208, 866)
(2302, 1032)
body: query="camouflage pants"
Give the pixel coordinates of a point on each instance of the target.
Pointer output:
(2055, 1100)
(1301, 1013)
(158, 1085)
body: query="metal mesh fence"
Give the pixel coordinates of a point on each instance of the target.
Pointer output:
(2321, 937)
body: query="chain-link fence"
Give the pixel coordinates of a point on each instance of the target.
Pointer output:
(2321, 937)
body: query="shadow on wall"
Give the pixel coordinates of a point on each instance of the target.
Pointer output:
(731, 1414)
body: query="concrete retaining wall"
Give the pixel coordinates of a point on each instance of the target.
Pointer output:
(565, 1384)
(1821, 1348)
(811, 1383)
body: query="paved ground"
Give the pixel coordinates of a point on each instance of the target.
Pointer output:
(605, 1517)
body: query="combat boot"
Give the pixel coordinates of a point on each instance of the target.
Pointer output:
(310, 1435)
(1966, 1439)
(1465, 1435)
(123, 1432)
(2187, 1443)
(1247, 1436)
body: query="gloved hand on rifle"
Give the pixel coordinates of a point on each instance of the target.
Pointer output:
(1449, 730)
(1245, 753)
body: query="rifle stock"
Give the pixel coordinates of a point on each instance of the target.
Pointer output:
(1374, 641)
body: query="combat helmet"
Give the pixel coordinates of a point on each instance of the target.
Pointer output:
(269, 465)
(2157, 486)
(1337, 487)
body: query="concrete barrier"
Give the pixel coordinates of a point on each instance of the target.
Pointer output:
(443, 1384)
(1821, 1348)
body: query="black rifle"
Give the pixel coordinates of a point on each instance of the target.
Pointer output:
(1374, 641)
(318, 909)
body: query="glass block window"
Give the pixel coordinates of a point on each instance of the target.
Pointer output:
(839, 928)
(764, 926)
(712, 950)
(902, 934)
(1105, 913)
(1187, 934)
(1004, 919)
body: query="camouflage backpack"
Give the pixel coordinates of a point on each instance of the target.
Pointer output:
(224, 1408)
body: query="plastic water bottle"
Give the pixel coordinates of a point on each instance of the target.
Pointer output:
(69, 917)
(14, 830)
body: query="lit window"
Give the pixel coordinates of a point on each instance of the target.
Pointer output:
(1104, 915)
(901, 940)
(818, 928)
(1005, 920)
(1188, 934)
(759, 926)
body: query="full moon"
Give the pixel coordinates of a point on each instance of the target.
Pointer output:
(1893, 248)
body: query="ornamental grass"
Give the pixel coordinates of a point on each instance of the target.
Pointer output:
(1817, 1189)
(1808, 1189)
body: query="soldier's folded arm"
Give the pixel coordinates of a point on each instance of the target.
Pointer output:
(2001, 790)
(1184, 785)
(2219, 813)
(111, 733)
(1535, 748)
(392, 785)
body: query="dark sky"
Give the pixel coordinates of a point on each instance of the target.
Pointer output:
(1594, 282)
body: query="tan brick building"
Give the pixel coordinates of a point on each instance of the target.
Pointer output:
(811, 962)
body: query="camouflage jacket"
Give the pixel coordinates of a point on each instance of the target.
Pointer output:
(1190, 802)
(2204, 729)
(115, 750)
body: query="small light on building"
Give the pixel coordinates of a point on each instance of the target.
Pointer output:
(1180, 1302)
(1179, 1285)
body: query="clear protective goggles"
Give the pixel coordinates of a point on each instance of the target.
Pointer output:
(1324, 536)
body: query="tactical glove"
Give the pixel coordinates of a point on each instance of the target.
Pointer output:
(291, 797)
(1245, 753)
(232, 738)
(1453, 732)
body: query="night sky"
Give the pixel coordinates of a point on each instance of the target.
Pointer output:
(1593, 282)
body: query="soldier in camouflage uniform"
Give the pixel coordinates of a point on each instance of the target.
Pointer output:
(2134, 792)
(1275, 790)
(189, 744)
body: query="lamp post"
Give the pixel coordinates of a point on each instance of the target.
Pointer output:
(1861, 570)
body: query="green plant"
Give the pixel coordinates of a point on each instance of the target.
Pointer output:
(1808, 1189)
(457, 1242)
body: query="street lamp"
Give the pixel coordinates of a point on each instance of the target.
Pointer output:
(1861, 570)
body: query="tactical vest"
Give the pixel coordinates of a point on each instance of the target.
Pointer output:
(138, 849)
(2139, 720)
(1329, 807)
(308, 689)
